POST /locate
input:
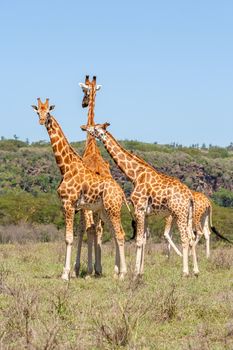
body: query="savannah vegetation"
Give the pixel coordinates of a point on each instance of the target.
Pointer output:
(161, 311)
(29, 177)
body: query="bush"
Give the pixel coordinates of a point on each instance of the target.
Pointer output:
(218, 152)
(12, 145)
(223, 197)
(21, 206)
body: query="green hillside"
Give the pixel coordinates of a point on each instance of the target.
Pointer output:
(29, 177)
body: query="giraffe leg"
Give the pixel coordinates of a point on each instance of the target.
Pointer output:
(146, 235)
(117, 260)
(80, 240)
(191, 222)
(193, 253)
(121, 247)
(141, 271)
(69, 219)
(206, 231)
(168, 235)
(198, 237)
(98, 245)
(120, 264)
(195, 265)
(90, 230)
(207, 237)
(185, 259)
(119, 234)
(169, 247)
(183, 229)
(199, 233)
(198, 226)
(90, 241)
(140, 219)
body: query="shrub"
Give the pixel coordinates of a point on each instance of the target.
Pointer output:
(223, 197)
(218, 152)
(12, 145)
(22, 206)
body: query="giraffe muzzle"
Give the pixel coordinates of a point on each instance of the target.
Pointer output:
(85, 101)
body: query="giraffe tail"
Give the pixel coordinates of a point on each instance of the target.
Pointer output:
(218, 234)
(214, 230)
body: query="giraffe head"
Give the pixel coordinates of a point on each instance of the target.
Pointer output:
(98, 130)
(43, 110)
(89, 88)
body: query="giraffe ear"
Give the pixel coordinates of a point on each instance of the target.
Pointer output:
(83, 127)
(51, 107)
(98, 87)
(35, 108)
(105, 125)
(84, 86)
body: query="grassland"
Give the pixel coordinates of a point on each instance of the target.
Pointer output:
(161, 311)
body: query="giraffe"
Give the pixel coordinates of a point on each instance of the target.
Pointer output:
(202, 219)
(80, 188)
(89, 221)
(153, 193)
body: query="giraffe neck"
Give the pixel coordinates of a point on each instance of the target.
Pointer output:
(91, 146)
(91, 107)
(129, 163)
(63, 152)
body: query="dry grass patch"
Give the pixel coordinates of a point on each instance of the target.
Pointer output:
(221, 259)
(160, 311)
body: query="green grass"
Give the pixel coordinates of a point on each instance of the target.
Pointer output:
(162, 311)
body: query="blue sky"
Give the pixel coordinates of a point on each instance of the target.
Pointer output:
(166, 67)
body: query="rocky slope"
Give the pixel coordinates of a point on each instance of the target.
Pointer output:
(32, 168)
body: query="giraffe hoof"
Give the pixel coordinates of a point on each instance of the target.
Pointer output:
(121, 276)
(87, 277)
(73, 274)
(76, 271)
(98, 274)
(98, 271)
(185, 274)
(196, 273)
(138, 277)
(65, 276)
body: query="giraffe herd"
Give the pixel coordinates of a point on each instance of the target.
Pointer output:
(87, 186)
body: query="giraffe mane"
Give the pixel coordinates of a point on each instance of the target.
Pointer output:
(135, 156)
(71, 148)
(141, 161)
